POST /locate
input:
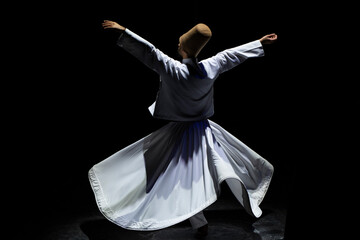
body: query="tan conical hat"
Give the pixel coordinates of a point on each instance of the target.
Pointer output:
(195, 39)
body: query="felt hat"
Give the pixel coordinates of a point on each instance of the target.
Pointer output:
(195, 39)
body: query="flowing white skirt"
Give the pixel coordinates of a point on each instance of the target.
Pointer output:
(186, 163)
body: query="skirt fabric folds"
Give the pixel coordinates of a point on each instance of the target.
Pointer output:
(174, 173)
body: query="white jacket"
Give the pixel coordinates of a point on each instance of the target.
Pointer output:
(186, 88)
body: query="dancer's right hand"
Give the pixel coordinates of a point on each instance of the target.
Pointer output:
(268, 39)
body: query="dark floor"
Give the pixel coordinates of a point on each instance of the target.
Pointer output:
(226, 221)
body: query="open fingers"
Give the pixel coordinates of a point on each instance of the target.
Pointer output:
(108, 24)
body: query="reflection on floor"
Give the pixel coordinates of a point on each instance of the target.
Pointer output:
(227, 220)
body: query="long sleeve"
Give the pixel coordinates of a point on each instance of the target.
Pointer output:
(230, 58)
(148, 54)
(182, 96)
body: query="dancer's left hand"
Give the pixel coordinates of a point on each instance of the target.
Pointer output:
(111, 24)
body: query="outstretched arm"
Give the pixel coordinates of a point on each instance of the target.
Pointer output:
(268, 39)
(143, 50)
(226, 60)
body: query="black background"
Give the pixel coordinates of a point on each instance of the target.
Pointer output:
(78, 97)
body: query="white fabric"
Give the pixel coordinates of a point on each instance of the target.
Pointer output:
(143, 186)
(182, 96)
(205, 155)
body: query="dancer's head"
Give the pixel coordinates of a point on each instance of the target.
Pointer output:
(191, 42)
